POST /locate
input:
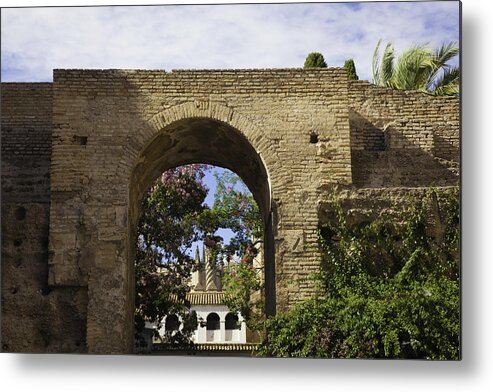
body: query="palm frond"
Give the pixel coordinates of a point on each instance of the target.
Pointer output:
(440, 59)
(375, 65)
(445, 53)
(387, 67)
(412, 69)
(451, 89)
(448, 84)
(417, 68)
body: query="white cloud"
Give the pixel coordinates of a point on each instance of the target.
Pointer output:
(37, 40)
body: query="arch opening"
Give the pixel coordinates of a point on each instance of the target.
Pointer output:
(231, 321)
(213, 322)
(201, 140)
(208, 141)
(172, 323)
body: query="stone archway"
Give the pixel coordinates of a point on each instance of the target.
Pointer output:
(114, 131)
(75, 162)
(187, 133)
(210, 141)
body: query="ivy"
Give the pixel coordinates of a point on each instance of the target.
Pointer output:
(389, 288)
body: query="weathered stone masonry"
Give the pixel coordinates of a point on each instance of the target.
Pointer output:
(402, 138)
(289, 134)
(35, 316)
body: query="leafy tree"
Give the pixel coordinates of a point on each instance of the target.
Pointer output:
(167, 227)
(417, 68)
(315, 60)
(351, 69)
(235, 209)
(242, 284)
(390, 289)
(173, 217)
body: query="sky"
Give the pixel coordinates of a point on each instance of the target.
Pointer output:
(34, 41)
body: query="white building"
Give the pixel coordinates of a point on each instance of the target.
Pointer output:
(217, 324)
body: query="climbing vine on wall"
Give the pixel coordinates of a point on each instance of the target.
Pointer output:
(389, 289)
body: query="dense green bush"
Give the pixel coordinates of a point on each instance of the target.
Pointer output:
(390, 289)
(315, 60)
(351, 69)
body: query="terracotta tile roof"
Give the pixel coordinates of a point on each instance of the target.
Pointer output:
(206, 298)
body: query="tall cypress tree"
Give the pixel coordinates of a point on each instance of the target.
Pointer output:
(351, 69)
(315, 60)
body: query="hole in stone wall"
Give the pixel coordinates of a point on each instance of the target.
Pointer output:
(313, 138)
(81, 140)
(20, 213)
(45, 291)
(17, 242)
(14, 290)
(17, 262)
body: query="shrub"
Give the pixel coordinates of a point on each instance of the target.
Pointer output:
(390, 289)
(351, 69)
(315, 60)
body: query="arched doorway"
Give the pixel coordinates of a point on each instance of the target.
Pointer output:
(210, 141)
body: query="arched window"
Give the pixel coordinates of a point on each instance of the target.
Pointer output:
(172, 323)
(232, 321)
(213, 322)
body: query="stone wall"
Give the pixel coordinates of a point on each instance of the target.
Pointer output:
(35, 317)
(78, 155)
(402, 138)
(115, 131)
(363, 205)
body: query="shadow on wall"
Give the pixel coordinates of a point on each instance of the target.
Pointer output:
(35, 317)
(400, 153)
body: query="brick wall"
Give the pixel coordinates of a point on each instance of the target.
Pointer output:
(35, 318)
(289, 133)
(402, 138)
(115, 130)
(26, 142)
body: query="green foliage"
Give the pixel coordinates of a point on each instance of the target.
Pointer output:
(372, 319)
(315, 60)
(242, 283)
(173, 217)
(351, 69)
(167, 227)
(417, 68)
(235, 209)
(390, 289)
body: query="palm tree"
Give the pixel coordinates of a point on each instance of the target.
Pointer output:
(418, 68)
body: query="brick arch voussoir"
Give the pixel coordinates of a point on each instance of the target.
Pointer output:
(204, 109)
(227, 115)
